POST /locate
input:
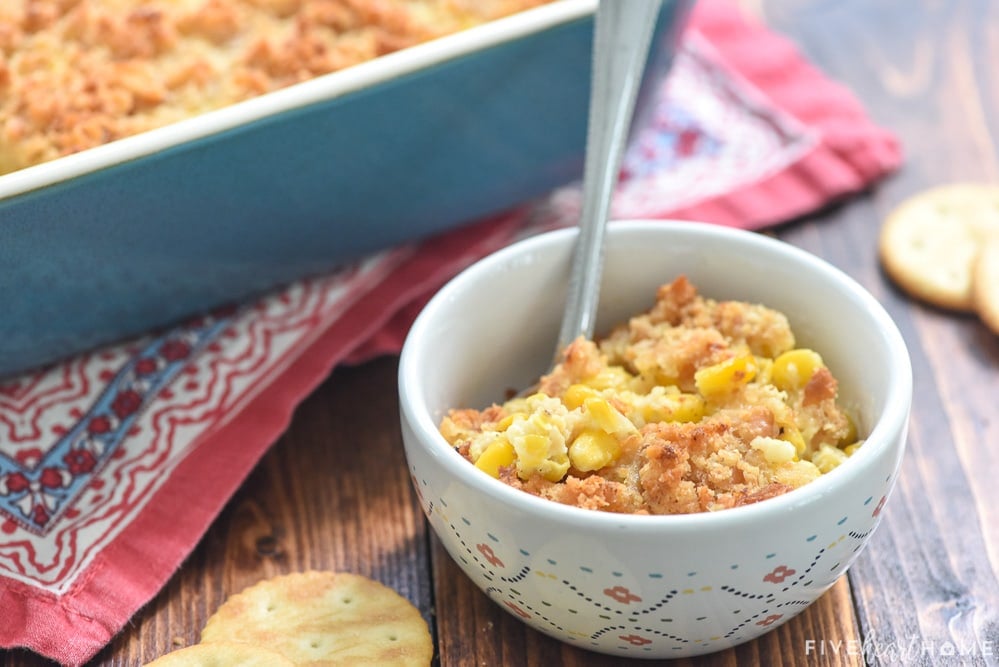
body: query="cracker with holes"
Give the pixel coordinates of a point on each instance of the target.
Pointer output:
(930, 243)
(222, 654)
(986, 283)
(319, 618)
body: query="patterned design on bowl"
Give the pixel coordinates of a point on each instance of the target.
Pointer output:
(639, 613)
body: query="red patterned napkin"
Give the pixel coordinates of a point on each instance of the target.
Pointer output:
(97, 452)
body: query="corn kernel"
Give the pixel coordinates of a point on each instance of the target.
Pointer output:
(662, 379)
(674, 408)
(688, 408)
(642, 384)
(725, 377)
(611, 377)
(607, 417)
(593, 449)
(851, 433)
(792, 434)
(497, 455)
(828, 457)
(774, 450)
(540, 438)
(504, 423)
(533, 450)
(576, 394)
(554, 470)
(850, 450)
(793, 369)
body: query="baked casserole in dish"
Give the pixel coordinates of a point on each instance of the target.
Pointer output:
(162, 157)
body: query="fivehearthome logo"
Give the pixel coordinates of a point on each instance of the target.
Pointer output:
(904, 651)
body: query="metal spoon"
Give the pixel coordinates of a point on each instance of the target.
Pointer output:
(622, 34)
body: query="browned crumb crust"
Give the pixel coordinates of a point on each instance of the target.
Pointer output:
(678, 467)
(75, 74)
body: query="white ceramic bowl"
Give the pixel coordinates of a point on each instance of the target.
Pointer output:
(649, 586)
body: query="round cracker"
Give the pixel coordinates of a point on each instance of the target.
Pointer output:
(222, 654)
(325, 618)
(929, 243)
(986, 283)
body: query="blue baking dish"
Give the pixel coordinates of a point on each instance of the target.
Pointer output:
(117, 240)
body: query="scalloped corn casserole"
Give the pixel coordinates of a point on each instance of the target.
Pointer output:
(75, 74)
(695, 405)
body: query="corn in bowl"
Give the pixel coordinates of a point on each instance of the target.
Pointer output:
(695, 405)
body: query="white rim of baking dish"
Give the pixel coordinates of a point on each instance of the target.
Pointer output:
(320, 89)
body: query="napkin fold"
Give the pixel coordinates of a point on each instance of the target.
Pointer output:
(115, 462)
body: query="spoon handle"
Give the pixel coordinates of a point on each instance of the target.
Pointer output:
(622, 33)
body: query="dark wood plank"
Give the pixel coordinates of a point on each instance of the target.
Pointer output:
(928, 584)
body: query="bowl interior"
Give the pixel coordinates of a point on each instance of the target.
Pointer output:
(493, 328)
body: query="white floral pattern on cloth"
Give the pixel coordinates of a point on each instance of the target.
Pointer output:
(709, 132)
(85, 444)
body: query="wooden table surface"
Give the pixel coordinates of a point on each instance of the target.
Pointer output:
(334, 491)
